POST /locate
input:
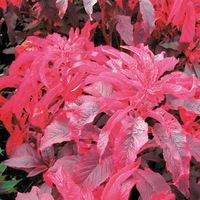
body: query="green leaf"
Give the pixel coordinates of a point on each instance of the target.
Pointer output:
(1, 150)
(170, 45)
(8, 186)
(1, 67)
(2, 168)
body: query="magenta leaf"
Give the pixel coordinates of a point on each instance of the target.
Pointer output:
(150, 183)
(84, 114)
(147, 10)
(65, 185)
(125, 28)
(34, 194)
(112, 126)
(132, 136)
(67, 162)
(56, 132)
(25, 157)
(170, 136)
(100, 89)
(188, 29)
(121, 183)
(89, 172)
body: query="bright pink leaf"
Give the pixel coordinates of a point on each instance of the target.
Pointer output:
(147, 10)
(36, 194)
(89, 172)
(84, 114)
(132, 136)
(112, 126)
(99, 89)
(121, 183)
(15, 2)
(65, 185)
(188, 29)
(169, 135)
(3, 4)
(177, 12)
(125, 28)
(165, 195)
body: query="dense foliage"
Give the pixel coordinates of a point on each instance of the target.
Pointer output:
(103, 98)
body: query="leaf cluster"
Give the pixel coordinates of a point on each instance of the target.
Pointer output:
(99, 121)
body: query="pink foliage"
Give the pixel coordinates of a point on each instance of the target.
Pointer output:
(92, 118)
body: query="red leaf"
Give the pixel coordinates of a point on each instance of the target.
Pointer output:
(15, 2)
(62, 6)
(132, 136)
(147, 10)
(188, 29)
(177, 12)
(125, 28)
(3, 4)
(89, 172)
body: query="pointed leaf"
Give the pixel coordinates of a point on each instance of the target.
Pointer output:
(65, 185)
(57, 132)
(6, 186)
(62, 6)
(88, 5)
(147, 10)
(169, 135)
(25, 157)
(188, 104)
(67, 162)
(188, 29)
(121, 183)
(89, 172)
(132, 136)
(151, 183)
(125, 28)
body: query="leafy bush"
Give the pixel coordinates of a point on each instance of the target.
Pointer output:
(102, 122)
